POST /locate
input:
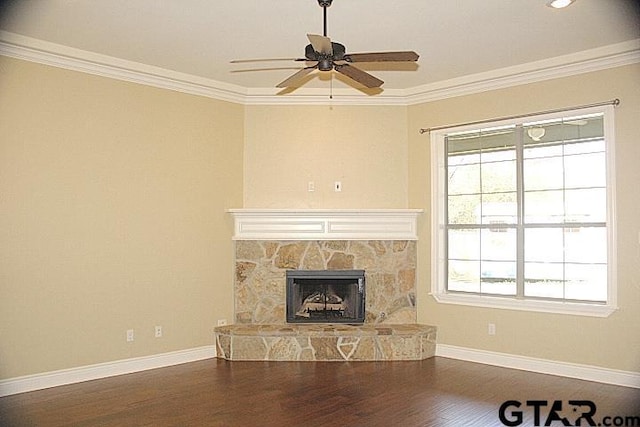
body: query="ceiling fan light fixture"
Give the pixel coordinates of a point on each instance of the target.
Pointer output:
(325, 64)
(559, 4)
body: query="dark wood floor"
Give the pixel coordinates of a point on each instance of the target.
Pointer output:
(433, 392)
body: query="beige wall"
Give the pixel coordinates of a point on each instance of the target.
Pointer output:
(612, 342)
(363, 147)
(112, 199)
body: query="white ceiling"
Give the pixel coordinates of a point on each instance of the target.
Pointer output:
(454, 38)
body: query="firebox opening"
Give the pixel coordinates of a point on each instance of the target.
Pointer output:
(325, 296)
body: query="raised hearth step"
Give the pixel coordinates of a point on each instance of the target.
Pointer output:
(325, 342)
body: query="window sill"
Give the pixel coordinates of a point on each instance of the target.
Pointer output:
(506, 303)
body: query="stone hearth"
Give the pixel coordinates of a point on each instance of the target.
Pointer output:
(326, 342)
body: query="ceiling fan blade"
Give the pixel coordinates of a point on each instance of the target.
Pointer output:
(295, 78)
(321, 44)
(243, 61)
(382, 56)
(359, 76)
(251, 70)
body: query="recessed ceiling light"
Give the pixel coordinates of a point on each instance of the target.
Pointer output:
(559, 4)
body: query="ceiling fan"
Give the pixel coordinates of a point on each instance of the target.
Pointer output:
(326, 55)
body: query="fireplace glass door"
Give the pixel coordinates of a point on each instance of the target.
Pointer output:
(325, 296)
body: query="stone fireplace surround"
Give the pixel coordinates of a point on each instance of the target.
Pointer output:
(270, 242)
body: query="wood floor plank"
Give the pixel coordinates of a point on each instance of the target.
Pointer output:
(215, 392)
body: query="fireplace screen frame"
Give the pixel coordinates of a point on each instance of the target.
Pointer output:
(330, 279)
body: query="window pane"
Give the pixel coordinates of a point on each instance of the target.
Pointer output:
(586, 282)
(543, 134)
(464, 244)
(464, 179)
(463, 159)
(497, 140)
(554, 150)
(498, 264)
(499, 208)
(544, 280)
(498, 176)
(464, 276)
(498, 278)
(543, 272)
(544, 245)
(499, 244)
(468, 143)
(543, 207)
(584, 127)
(464, 209)
(500, 155)
(586, 205)
(543, 289)
(596, 146)
(586, 245)
(585, 171)
(543, 174)
(543, 267)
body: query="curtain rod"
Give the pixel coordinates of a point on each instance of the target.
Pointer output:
(614, 102)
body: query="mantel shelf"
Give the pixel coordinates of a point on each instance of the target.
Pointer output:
(325, 224)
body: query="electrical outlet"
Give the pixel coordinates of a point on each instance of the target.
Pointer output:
(158, 332)
(337, 186)
(491, 329)
(129, 335)
(222, 322)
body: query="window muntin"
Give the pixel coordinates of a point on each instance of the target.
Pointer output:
(526, 214)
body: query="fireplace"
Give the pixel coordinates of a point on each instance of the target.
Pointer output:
(297, 271)
(260, 285)
(325, 296)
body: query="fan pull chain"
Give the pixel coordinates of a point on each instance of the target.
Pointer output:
(331, 86)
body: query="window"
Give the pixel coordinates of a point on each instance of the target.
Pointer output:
(522, 213)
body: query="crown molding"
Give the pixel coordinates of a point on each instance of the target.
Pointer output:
(47, 53)
(319, 96)
(602, 58)
(56, 55)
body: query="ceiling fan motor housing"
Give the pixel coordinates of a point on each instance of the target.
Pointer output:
(325, 61)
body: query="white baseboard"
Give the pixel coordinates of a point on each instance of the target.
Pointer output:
(103, 370)
(543, 366)
(127, 366)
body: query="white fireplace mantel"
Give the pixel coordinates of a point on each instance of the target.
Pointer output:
(325, 224)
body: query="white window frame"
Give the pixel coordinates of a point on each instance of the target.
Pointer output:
(438, 226)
